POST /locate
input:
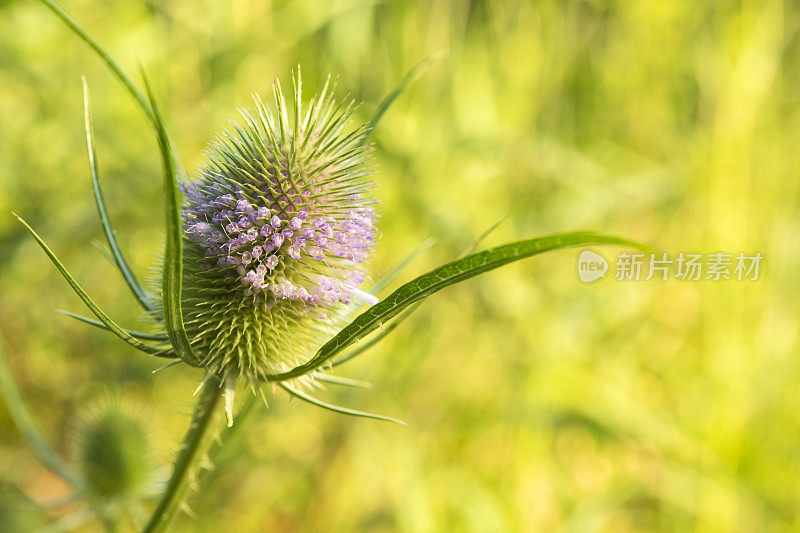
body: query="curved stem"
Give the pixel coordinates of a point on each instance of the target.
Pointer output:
(105, 56)
(194, 447)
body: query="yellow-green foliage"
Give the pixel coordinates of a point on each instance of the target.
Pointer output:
(534, 402)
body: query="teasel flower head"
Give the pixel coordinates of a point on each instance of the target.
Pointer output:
(114, 458)
(278, 225)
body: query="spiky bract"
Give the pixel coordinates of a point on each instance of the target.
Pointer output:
(277, 227)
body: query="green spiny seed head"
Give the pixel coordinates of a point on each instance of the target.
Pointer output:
(278, 223)
(114, 457)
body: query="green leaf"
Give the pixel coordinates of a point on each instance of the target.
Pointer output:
(335, 408)
(439, 278)
(139, 292)
(385, 330)
(172, 282)
(27, 426)
(105, 56)
(412, 75)
(110, 324)
(98, 324)
(394, 272)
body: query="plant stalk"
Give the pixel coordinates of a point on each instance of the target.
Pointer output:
(21, 416)
(201, 433)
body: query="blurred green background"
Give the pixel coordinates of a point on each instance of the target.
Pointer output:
(534, 402)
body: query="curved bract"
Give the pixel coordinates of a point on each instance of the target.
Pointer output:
(439, 278)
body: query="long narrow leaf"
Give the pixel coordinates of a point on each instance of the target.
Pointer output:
(27, 426)
(137, 289)
(385, 330)
(392, 274)
(439, 278)
(115, 68)
(398, 268)
(412, 75)
(96, 323)
(105, 56)
(335, 408)
(110, 324)
(172, 283)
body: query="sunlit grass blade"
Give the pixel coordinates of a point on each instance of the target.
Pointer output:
(439, 278)
(136, 287)
(27, 426)
(398, 268)
(104, 251)
(110, 324)
(393, 273)
(384, 331)
(138, 334)
(410, 76)
(105, 56)
(344, 382)
(173, 254)
(226, 450)
(479, 239)
(70, 522)
(335, 408)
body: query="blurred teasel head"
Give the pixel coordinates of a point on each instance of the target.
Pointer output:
(278, 223)
(114, 458)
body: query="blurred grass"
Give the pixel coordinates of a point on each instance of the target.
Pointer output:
(534, 402)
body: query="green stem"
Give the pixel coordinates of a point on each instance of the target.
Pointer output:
(23, 419)
(198, 439)
(105, 56)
